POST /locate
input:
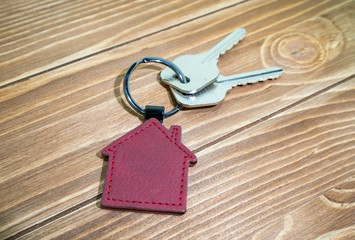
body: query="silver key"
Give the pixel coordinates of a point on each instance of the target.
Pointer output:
(201, 69)
(216, 92)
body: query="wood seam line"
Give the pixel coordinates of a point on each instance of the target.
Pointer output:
(55, 217)
(118, 45)
(18, 6)
(23, 20)
(252, 124)
(263, 119)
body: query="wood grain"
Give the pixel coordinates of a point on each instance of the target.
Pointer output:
(331, 215)
(31, 36)
(266, 150)
(247, 181)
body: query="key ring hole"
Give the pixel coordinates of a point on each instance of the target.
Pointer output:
(177, 78)
(163, 61)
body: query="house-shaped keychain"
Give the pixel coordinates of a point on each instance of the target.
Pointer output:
(148, 169)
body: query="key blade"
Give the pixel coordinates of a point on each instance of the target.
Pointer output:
(216, 92)
(250, 77)
(226, 44)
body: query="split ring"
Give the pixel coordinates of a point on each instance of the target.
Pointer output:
(167, 63)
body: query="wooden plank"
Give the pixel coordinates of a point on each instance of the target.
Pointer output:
(330, 220)
(331, 214)
(250, 180)
(38, 37)
(58, 113)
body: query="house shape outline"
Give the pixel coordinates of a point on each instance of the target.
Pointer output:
(172, 138)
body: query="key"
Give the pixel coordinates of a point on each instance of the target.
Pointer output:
(216, 92)
(201, 69)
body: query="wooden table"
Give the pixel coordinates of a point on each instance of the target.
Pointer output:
(275, 159)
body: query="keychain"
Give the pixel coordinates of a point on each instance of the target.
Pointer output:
(148, 167)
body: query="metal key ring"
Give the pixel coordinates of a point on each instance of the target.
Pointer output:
(167, 63)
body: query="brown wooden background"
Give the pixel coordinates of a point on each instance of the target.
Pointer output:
(276, 159)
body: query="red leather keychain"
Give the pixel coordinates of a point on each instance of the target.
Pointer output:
(148, 167)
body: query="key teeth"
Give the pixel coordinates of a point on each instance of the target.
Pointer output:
(272, 77)
(235, 43)
(227, 49)
(213, 55)
(259, 80)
